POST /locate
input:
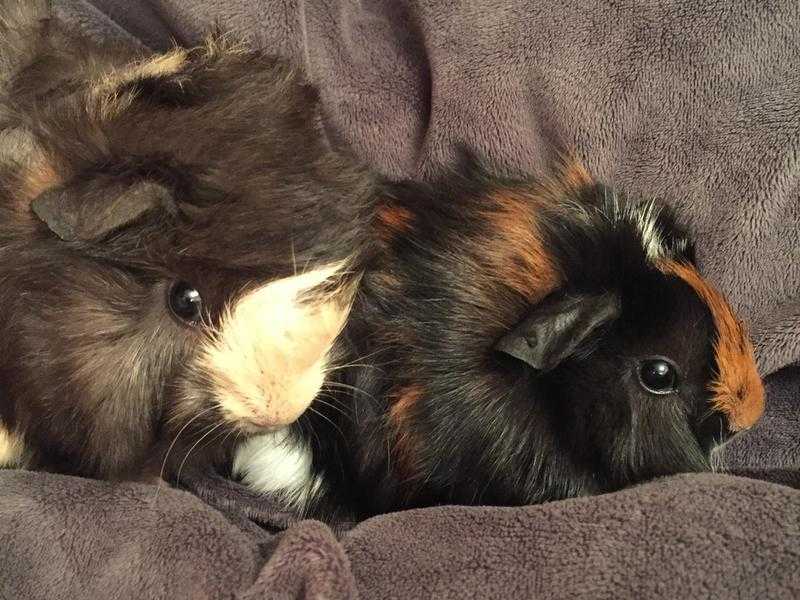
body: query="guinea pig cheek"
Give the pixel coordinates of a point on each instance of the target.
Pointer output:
(267, 360)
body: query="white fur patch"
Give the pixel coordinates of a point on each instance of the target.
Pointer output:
(275, 464)
(644, 217)
(12, 449)
(268, 359)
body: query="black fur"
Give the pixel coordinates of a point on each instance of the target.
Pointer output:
(485, 427)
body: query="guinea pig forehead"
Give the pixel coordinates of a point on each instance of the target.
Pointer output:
(663, 301)
(663, 315)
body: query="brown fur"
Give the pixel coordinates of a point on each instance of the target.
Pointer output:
(737, 388)
(97, 372)
(404, 450)
(517, 255)
(393, 221)
(570, 180)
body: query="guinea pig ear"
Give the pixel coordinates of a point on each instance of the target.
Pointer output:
(90, 210)
(556, 328)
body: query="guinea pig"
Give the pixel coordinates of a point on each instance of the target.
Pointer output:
(519, 342)
(179, 247)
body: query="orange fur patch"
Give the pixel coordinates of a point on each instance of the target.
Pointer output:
(570, 179)
(737, 390)
(393, 221)
(36, 175)
(403, 401)
(516, 254)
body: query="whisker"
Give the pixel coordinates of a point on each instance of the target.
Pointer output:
(172, 445)
(333, 369)
(355, 362)
(347, 386)
(185, 458)
(313, 432)
(332, 406)
(707, 414)
(319, 414)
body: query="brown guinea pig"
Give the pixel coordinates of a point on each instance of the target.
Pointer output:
(178, 247)
(517, 342)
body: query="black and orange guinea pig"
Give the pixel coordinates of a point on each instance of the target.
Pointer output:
(518, 342)
(178, 248)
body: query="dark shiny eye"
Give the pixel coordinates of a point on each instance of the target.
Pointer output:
(658, 376)
(185, 302)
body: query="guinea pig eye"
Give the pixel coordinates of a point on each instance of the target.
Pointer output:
(658, 376)
(185, 302)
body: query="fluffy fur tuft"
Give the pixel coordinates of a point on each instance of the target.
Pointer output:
(125, 173)
(281, 466)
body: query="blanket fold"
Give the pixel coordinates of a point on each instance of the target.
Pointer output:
(685, 536)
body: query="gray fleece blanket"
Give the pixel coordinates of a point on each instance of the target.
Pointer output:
(697, 103)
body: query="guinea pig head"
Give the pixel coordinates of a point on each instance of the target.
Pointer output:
(644, 363)
(178, 249)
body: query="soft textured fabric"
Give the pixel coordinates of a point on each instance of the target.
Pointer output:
(771, 450)
(692, 536)
(697, 103)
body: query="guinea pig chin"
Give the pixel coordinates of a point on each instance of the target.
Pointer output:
(267, 360)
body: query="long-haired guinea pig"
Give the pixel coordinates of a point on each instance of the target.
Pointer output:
(514, 343)
(176, 247)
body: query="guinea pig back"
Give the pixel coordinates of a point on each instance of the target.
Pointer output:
(179, 247)
(518, 342)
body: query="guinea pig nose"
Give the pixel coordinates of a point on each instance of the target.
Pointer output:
(268, 421)
(273, 415)
(287, 411)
